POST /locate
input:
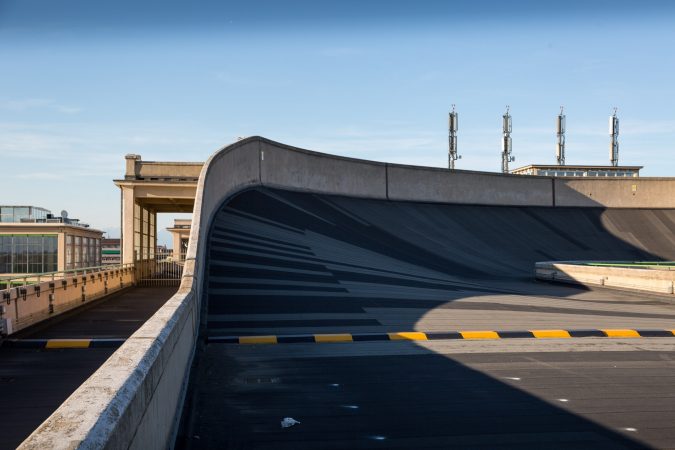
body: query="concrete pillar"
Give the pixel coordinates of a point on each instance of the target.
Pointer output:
(132, 162)
(153, 235)
(128, 222)
(176, 244)
(61, 258)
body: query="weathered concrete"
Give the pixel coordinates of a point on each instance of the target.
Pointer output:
(424, 184)
(28, 305)
(616, 192)
(292, 168)
(636, 279)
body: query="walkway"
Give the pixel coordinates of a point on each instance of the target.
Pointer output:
(33, 383)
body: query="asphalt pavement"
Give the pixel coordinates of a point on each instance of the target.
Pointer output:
(34, 382)
(286, 263)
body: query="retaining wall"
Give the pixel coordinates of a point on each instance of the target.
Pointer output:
(134, 399)
(659, 281)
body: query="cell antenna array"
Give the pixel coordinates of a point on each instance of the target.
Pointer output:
(560, 133)
(614, 139)
(506, 141)
(452, 138)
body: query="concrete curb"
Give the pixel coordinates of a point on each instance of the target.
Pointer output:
(62, 343)
(437, 335)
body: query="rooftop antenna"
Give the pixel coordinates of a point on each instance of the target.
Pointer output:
(614, 139)
(506, 141)
(452, 138)
(560, 132)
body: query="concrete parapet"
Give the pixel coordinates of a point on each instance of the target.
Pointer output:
(424, 184)
(616, 192)
(290, 168)
(33, 303)
(638, 279)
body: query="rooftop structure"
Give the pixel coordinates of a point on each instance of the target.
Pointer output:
(555, 170)
(33, 240)
(35, 214)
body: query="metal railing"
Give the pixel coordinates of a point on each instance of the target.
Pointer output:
(21, 280)
(166, 269)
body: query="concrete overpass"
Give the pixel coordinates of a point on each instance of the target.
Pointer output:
(410, 242)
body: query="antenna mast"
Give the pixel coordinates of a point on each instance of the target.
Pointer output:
(614, 139)
(560, 133)
(506, 141)
(452, 138)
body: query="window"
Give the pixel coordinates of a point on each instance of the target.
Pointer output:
(77, 250)
(33, 253)
(69, 252)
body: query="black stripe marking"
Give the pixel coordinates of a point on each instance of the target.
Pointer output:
(370, 337)
(587, 333)
(515, 334)
(655, 333)
(222, 339)
(444, 335)
(295, 339)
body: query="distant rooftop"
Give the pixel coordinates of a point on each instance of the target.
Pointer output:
(555, 170)
(35, 214)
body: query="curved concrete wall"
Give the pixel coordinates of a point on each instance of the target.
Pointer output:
(134, 399)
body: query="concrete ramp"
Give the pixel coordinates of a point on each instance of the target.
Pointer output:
(334, 243)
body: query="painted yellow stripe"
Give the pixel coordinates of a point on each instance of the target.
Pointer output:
(621, 333)
(479, 334)
(257, 339)
(408, 336)
(68, 343)
(545, 334)
(346, 337)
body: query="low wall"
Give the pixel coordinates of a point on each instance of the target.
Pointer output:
(28, 305)
(134, 399)
(661, 281)
(615, 192)
(424, 184)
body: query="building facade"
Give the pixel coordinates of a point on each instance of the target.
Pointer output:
(39, 242)
(111, 252)
(180, 233)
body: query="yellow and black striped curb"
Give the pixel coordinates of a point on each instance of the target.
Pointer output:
(420, 336)
(62, 343)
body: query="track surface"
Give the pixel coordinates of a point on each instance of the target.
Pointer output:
(292, 263)
(33, 383)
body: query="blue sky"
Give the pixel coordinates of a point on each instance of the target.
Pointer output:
(84, 83)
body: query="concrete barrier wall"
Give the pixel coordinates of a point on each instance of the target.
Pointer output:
(289, 168)
(616, 192)
(134, 399)
(28, 305)
(636, 279)
(424, 184)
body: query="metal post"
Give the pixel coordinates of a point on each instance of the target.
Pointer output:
(452, 138)
(614, 139)
(560, 133)
(506, 141)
